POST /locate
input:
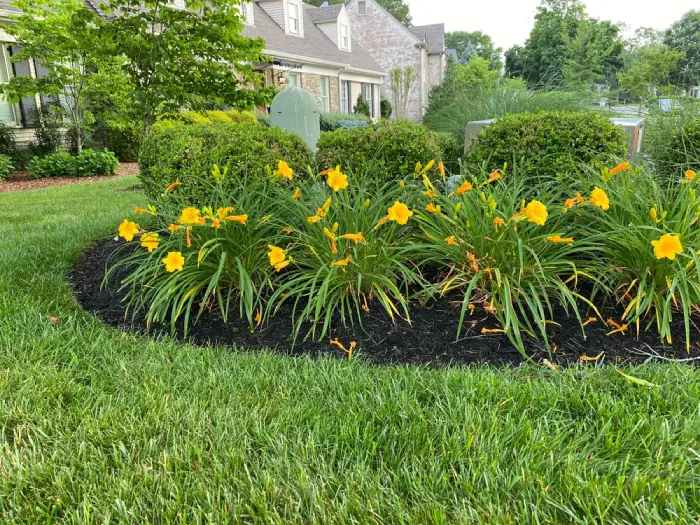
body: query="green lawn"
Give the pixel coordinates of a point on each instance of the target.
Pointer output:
(97, 426)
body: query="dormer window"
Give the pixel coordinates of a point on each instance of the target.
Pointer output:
(293, 18)
(362, 7)
(344, 37)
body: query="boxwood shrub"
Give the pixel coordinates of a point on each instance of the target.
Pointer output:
(184, 153)
(682, 152)
(59, 164)
(548, 143)
(93, 163)
(215, 117)
(6, 166)
(392, 148)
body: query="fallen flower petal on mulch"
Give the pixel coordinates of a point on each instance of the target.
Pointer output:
(20, 181)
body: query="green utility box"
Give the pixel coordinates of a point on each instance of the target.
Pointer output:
(294, 109)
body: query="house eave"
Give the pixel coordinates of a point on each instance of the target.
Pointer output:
(321, 62)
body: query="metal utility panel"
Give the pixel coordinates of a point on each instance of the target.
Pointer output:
(294, 109)
(634, 130)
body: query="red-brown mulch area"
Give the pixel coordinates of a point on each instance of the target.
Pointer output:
(20, 181)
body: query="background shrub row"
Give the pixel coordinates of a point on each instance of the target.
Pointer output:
(89, 163)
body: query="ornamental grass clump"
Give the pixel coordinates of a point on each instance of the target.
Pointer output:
(201, 259)
(649, 234)
(507, 247)
(347, 235)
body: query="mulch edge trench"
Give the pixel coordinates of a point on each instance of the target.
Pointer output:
(429, 341)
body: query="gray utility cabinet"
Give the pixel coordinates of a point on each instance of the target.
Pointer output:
(634, 129)
(294, 109)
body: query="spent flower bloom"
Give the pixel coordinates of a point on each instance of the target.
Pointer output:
(558, 239)
(451, 240)
(355, 237)
(498, 222)
(297, 194)
(343, 262)
(433, 209)
(465, 187)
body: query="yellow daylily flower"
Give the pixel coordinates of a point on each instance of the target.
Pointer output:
(600, 198)
(174, 262)
(667, 246)
(284, 171)
(337, 180)
(343, 262)
(399, 213)
(127, 230)
(433, 209)
(536, 212)
(190, 216)
(356, 237)
(150, 241)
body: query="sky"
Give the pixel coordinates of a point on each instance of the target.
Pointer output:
(509, 21)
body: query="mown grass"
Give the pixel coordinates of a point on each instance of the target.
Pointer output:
(97, 426)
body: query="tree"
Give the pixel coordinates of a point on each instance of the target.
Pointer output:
(398, 8)
(594, 56)
(463, 81)
(402, 81)
(61, 35)
(684, 36)
(362, 107)
(650, 69)
(514, 62)
(188, 57)
(544, 54)
(470, 43)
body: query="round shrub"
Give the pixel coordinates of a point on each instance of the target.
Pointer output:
(6, 167)
(188, 154)
(54, 165)
(682, 152)
(548, 143)
(93, 163)
(215, 117)
(391, 148)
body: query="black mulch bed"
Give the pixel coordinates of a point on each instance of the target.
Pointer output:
(430, 340)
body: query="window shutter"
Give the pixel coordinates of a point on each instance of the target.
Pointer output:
(27, 105)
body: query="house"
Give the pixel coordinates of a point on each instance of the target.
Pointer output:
(317, 49)
(21, 116)
(393, 45)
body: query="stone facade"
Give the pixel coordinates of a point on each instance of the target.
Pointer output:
(391, 47)
(312, 83)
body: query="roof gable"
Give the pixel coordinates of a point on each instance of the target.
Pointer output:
(393, 19)
(433, 35)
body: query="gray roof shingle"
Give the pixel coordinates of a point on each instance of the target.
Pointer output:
(314, 44)
(326, 13)
(433, 35)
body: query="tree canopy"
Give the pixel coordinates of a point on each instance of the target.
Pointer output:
(567, 48)
(474, 43)
(684, 37)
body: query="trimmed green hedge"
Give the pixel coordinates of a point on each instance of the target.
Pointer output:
(333, 121)
(214, 117)
(392, 148)
(548, 143)
(90, 163)
(188, 153)
(683, 151)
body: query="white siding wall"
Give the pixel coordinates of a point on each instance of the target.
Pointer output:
(391, 45)
(344, 19)
(331, 30)
(276, 11)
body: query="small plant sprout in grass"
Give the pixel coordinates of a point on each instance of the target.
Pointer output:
(506, 246)
(649, 233)
(346, 234)
(197, 260)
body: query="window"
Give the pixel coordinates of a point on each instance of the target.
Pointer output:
(345, 94)
(368, 95)
(362, 7)
(8, 110)
(293, 80)
(247, 13)
(344, 37)
(293, 18)
(325, 102)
